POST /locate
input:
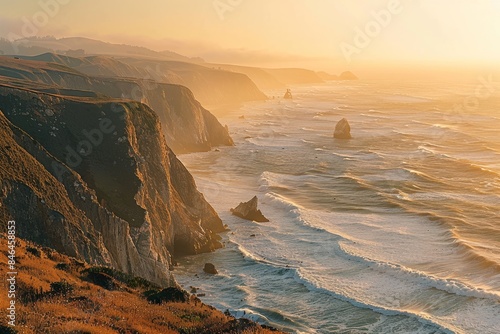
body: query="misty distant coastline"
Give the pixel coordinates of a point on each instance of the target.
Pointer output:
(105, 59)
(85, 112)
(250, 167)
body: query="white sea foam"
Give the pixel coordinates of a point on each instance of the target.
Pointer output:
(357, 222)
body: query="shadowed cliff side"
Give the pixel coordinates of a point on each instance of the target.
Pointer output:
(133, 191)
(30, 194)
(187, 126)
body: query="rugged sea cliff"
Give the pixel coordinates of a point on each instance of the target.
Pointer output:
(95, 179)
(88, 166)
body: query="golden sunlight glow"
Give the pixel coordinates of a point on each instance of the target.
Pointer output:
(263, 32)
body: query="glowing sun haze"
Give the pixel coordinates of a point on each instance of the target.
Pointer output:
(266, 32)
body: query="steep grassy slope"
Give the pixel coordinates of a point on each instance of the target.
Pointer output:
(57, 294)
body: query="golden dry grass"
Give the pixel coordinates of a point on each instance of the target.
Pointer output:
(90, 309)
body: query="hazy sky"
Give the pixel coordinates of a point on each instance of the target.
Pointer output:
(263, 31)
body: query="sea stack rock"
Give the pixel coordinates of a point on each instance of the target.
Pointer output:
(249, 211)
(210, 269)
(288, 94)
(342, 130)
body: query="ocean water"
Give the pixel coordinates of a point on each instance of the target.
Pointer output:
(394, 231)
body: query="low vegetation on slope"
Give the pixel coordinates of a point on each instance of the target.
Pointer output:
(59, 294)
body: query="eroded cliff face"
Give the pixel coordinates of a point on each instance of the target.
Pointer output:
(123, 195)
(187, 126)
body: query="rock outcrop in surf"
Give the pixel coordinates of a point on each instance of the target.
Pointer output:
(209, 268)
(342, 130)
(288, 94)
(248, 210)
